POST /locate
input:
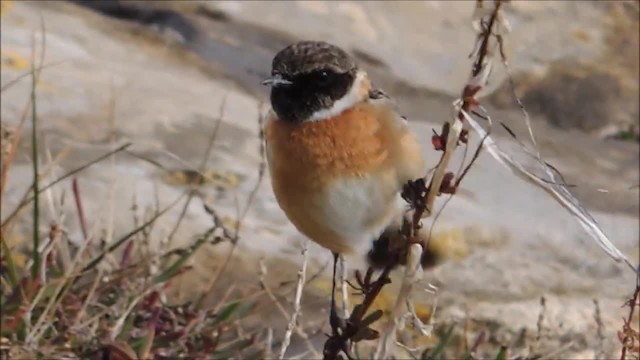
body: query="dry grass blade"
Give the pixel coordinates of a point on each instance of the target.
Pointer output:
(413, 272)
(17, 79)
(201, 169)
(299, 331)
(72, 172)
(130, 234)
(236, 236)
(35, 161)
(553, 188)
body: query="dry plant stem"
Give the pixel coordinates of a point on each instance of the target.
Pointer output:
(626, 327)
(129, 235)
(468, 100)
(65, 284)
(557, 189)
(34, 72)
(117, 327)
(413, 272)
(78, 200)
(268, 344)
(13, 147)
(293, 321)
(34, 161)
(236, 236)
(26, 200)
(203, 164)
(272, 297)
(539, 325)
(342, 334)
(78, 317)
(600, 330)
(479, 73)
(41, 67)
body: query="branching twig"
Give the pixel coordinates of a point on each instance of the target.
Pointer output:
(628, 336)
(236, 236)
(420, 194)
(356, 327)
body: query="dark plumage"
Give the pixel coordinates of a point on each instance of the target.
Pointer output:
(319, 74)
(308, 56)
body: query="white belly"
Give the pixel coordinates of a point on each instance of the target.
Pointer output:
(359, 209)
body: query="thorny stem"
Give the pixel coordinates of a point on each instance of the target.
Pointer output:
(343, 333)
(421, 197)
(627, 332)
(482, 52)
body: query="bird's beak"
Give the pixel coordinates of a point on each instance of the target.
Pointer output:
(276, 80)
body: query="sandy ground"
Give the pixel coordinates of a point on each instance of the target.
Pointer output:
(506, 244)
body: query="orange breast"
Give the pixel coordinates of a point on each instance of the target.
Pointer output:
(312, 153)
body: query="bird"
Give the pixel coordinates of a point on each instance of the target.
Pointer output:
(338, 150)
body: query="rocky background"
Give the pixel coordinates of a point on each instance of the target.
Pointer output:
(160, 74)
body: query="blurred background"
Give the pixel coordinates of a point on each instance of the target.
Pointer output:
(159, 75)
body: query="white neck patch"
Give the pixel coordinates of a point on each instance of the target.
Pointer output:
(352, 97)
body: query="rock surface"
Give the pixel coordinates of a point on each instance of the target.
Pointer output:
(112, 82)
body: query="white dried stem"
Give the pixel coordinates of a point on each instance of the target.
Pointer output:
(553, 188)
(269, 344)
(477, 80)
(298, 329)
(438, 175)
(413, 273)
(117, 327)
(296, 305)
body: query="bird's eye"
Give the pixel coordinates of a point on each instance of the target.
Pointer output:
(323, 78)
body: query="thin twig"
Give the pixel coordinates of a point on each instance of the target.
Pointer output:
(79, 208)
(201, 169)
(236, 237)
(600, 329)
(34, 161)
(413, 272)
(628, 336)
(296, 305)
(299, 331)
(26, 201)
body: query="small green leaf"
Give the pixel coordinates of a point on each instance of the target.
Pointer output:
(236, 309)
(438, 352)
(126, 328)
(502, 354)
(172, 270)
(126, 237)
(12, 276)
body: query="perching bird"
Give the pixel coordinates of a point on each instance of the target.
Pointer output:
(338, 153)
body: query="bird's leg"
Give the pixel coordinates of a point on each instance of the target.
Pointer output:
(343, 287)
(334, 319)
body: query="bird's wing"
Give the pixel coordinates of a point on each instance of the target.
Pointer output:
(406, 151)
